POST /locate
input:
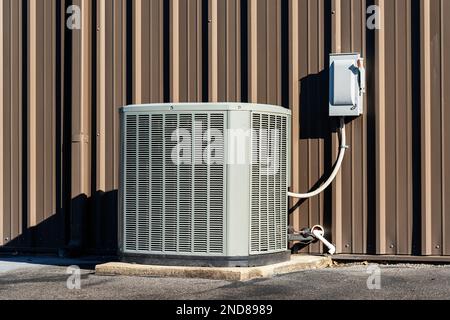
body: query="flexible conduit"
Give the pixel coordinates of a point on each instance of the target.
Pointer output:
(343, 147)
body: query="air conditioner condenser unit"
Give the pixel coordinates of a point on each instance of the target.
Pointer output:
(204, 184)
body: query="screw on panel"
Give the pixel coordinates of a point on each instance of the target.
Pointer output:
(438, 246)
(391, 246)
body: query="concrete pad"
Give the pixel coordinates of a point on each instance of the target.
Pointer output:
(297, 263)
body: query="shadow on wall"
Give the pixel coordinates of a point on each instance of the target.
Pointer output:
(315, 124)
(314, 121)
(89, 228)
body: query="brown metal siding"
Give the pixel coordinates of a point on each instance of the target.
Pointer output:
(41, 113)
(353, 176)
(61, 89)
(11, 126)
(445, 78)
(311, 40)
(395, 213)
(228, 50)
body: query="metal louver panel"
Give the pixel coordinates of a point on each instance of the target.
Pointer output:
(174, 207)
(216, 191)
(200, 187)
(130, 182)
(156, 184)
(143, 185)
(185, 195)
(268, 183)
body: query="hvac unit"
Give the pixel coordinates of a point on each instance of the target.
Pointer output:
(204, 184)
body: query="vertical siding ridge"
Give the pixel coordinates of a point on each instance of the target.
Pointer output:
(446, 133)
(42, 215)
(213, 72)
(351, 128)
(426, 128)
(279, 55)
(352, 186)
(320, 67)
(137, 62)
(308, 71)
(101, 104)
(381, 136)
(228, 53)
(238, 53)
(19, 137)
(53, 27)
(175, 50)
(352, 36)
(162, 58)
(2, 151)
(267, 62)
(188, 53)
(199, 19)
(85, 97)
(364, 134)
(115, 93)
(294, 101)
(253, 65)
(442, 106)
(337, 185)
(396, 119)
(267, 65)
(32, 129)
(409, 126)
(150, 68)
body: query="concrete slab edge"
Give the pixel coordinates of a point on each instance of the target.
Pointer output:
(297, 263)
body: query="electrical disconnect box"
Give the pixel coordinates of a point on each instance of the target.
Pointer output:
(347, 84)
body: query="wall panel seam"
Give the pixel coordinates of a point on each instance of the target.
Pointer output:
(2, 105)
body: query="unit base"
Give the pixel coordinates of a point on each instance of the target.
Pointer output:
(201, 261)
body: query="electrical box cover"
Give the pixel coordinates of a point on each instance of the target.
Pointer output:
(347, 85)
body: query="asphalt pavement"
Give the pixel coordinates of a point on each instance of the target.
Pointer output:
(50, 278)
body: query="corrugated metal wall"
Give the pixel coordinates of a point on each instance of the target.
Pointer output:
(61, 89)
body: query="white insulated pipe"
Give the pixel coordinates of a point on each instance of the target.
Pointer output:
(333, 175)
(318, 233)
